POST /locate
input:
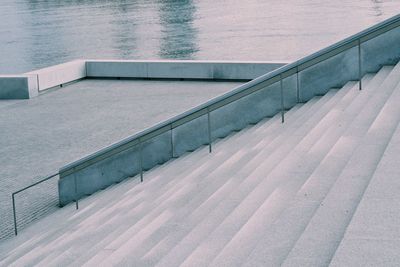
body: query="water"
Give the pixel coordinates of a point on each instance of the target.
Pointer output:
(39, 33)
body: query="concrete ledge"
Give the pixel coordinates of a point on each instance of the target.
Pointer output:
(179, 69)
(149, 69)
(18, 86)
(116, 168)
(60, 74)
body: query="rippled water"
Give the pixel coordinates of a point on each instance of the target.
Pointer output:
(38, 33)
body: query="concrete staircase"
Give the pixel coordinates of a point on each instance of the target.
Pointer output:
(272, 194)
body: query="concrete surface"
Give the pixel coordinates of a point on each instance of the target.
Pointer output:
(373, 237)
(382, 49)
(40, 135)
(319, 240)
(60, 74)
(273, 194)
(18, 86)
(126, 162)
(177, 69)
(14, 86)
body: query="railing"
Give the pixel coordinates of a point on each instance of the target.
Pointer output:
(354, 59)
(278, 76)
(26, 188)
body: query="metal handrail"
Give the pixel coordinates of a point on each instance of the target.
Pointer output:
(25, 188)
(238, 93)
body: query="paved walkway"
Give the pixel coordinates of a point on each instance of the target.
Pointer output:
(40, 135)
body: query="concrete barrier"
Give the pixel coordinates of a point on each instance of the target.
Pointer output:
(60, 74)
(18, 86)
(330, 73)
(150, 69)
(179, 69)
(380, 50)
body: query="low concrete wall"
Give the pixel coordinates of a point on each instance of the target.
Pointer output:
(383, 49)
(29, 84)
(331, 73)
(60, 74)
(150, 69)
(115, 168)
(179, 69)
(18, 86)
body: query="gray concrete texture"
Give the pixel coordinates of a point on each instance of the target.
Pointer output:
(29, 84)
(18, 86)
(178, 69)
(381, 50)
(40, 135)
(372, 237)
(232, 117)
(333, 72)
(271, 195)
(59, 74)
(266, 102)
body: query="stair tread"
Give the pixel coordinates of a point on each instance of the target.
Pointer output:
(372, 236)
(152, 240)
(283, 232)
(245, 187)
(338, 206)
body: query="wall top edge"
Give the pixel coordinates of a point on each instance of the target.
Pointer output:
(72, 62)
(188, 61)
(25, 75)
(57, 67)
(160, 61)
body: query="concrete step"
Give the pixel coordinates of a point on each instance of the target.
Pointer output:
(241, 245)
(67, 236)
(71, 219)
(68, 253)
(372, 237)
(161, 171)
(198, 193)
(225, 168)
(317, 246)
(256, 200)
(300, 127)
(226, 188)
(288, 176)
(275, 244)
(90, 207)
(244, 188)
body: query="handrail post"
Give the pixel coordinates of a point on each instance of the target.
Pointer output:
(282, 103)
(297, 85)
(209, 131)
(76, 193)
(359, 65)
(141, 161)
(15, 215)
(172, 144)
(21, 190)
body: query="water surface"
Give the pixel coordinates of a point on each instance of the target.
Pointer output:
(38, 33)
